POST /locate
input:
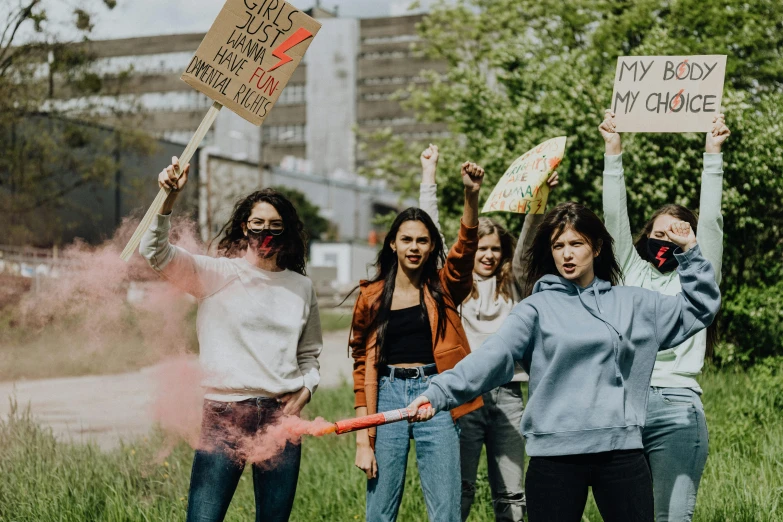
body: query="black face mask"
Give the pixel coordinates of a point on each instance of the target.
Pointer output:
(661, 255)
(264, 242)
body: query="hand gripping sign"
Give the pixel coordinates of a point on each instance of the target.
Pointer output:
(523, 188)
(668, 93)
(243, 63)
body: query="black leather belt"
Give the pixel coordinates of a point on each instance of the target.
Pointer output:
(407, 373)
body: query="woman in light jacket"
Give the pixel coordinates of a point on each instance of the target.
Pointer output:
(675, 434)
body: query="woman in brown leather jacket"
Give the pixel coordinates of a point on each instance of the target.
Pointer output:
(406, 329)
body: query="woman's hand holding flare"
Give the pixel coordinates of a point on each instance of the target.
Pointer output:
(423, 414)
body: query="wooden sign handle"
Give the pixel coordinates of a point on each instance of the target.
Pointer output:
(190, 149)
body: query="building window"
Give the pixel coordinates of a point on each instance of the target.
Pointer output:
(389, 121)
(386, 55)
(293, 94)
(391, 39)
(163, 63)
(283, 134)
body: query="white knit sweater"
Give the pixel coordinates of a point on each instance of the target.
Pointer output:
(259, 332)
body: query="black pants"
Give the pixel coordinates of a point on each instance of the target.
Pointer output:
(556, 487)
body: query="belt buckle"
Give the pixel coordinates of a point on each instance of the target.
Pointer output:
(418, 373)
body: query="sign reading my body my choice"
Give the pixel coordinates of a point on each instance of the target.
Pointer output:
(249, 54)
(668, 93)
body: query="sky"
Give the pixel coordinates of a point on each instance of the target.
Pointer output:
(133, 18)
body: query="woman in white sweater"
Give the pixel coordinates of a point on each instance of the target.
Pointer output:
(675, 435)
(498, 282)
(259, 339)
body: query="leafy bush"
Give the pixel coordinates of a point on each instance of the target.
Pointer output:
(751, 325)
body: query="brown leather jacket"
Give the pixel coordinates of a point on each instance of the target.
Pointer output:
(456, 278)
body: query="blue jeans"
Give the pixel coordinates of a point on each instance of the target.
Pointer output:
(496, 424)
(437, 456)
(676, 445)
(218, 468)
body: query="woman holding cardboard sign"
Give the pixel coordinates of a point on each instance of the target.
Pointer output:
(259, 337)
(498, 283)
(405, 330)
(589, 347)
(675, 434)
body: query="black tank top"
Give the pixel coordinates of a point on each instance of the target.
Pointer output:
(408, 337)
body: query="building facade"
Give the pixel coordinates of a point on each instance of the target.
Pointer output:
(342, 91)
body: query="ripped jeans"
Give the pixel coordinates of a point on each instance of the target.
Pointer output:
(496, 424)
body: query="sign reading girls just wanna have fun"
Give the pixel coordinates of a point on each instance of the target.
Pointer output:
(249, 54)
(244, 62)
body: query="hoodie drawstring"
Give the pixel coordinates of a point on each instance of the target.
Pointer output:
(615, 344)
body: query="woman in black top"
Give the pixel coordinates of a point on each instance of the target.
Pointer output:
(405, 329)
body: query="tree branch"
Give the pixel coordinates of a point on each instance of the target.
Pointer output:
(24, 14)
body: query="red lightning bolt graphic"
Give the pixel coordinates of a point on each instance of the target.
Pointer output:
(298, 37)
(264, 249)
(676, 100)
(661, 252)
(681, 69)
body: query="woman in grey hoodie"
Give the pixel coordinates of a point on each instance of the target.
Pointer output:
(589, 347)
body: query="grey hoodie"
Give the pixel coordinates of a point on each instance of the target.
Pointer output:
(589, 353)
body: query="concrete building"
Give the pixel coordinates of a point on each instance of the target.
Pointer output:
(309, 141)
(350, 205)
(345, 84)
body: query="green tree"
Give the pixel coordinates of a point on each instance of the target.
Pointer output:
(46, 150)
(522, 71)
(315, 225)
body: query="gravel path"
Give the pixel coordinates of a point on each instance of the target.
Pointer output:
(107, 408)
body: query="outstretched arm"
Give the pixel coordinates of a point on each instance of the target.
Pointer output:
(710, 232)
(428, 197)
(457, 273)
(199, 276)
(482, 370)
(615, 197)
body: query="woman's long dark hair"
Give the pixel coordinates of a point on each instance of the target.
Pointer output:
(386, 271)
(293, 253)
(503, 273)
(539, 259)
(683, 214)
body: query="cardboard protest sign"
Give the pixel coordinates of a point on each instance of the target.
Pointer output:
(243, 63)
(523, 188)
(668, 93)
(249, 54)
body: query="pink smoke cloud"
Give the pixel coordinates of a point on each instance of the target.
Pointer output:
(89, 297)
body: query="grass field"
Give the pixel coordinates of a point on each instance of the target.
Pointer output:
(44, 480)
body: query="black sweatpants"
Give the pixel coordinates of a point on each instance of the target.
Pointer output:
(556, 487)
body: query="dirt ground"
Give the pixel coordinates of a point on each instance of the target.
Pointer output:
(108, 408)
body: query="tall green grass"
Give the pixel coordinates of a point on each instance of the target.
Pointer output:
(42, 479)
